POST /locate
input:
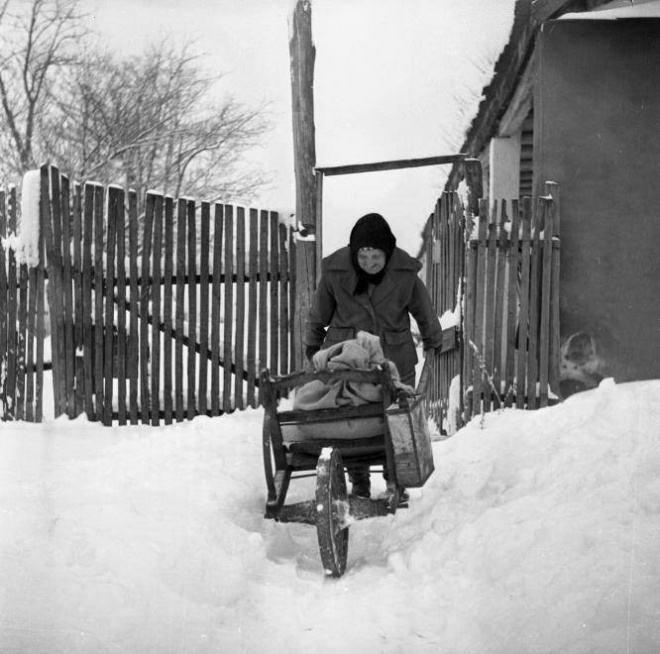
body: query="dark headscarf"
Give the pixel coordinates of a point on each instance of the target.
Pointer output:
(370, 231)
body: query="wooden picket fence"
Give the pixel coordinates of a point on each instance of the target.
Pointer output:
(171, 313)
(444, 253)
(157, 316)
(22, 323)
(511, 329)
(500, 269)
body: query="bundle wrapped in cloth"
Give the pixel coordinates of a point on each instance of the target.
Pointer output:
(362, 352)
(407, 425)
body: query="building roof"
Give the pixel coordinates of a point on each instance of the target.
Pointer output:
(529, 15)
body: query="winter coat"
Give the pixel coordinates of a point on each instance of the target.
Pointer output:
(384, 311)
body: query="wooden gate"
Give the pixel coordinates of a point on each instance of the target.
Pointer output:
(165, 313)
(512, 307)
(500, 270)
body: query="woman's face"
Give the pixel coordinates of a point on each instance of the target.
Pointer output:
(371, 260)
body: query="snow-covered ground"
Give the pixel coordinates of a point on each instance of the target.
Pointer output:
(538, 532)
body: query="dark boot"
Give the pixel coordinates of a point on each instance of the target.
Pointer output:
(360, 480)
(403, 493)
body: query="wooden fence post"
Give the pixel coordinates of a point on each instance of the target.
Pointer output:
(4, 296)
(474, 181)
(10, 372)
(302, 53)
(552, 189)
(51, 226)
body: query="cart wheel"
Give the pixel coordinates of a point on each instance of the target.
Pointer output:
(331, 511)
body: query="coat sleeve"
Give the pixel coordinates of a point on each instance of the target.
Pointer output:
(421, 309)
(320, 314)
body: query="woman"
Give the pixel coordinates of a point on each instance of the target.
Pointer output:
(371, 285)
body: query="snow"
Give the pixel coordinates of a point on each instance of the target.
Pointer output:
(619, 9)
(293, 5)
(26, 243)
(452, 317)
(537, 532)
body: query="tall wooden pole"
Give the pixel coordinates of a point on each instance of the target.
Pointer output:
(302, 54)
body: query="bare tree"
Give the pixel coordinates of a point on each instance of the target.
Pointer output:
(151, 122)
(38, 39)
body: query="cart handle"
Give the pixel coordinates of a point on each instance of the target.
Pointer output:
(425, 377)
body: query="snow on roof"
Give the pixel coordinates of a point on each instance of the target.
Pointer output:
(619, 9)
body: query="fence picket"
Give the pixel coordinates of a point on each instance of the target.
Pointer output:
(534, 301)
(239, 346)
(436, 263)
(544, 337)
(521, 372)
(284, 327)
(134, 317)
(192, 308)
(500, 296)
(67, 297)
(555, 346)
(168, 328)
(179, 308)
(109, 323)
(274, 260)
(479, 326)
(76, 246)
(204, 292)
(216, 299)
(4, 307)
(253, 309)
(30, 360)
(512, 299)
(469, 324)
(55, 284)
(86, 287)
(459, 285)
(21, 336)
(293, 336)
(40, 330)
(156, 254)
(145, 348)
(116, 203)
(12, 311)
(489, 319)
(98, 302)
(263, 291)
(229, 307)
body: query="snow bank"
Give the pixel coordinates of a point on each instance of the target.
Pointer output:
(537, 533)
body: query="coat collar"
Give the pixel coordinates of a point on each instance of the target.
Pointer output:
(340, 261)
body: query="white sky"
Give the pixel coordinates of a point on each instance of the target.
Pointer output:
(394, 79)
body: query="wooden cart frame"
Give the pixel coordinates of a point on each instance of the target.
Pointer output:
(332, 509)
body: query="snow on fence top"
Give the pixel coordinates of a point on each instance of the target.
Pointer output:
(26, 242)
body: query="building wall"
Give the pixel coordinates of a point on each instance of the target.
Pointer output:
(597, 134)
(504, 165)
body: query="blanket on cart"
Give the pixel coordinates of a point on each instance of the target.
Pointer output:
(362, 352)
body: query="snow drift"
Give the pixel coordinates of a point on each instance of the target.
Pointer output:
(538, 532)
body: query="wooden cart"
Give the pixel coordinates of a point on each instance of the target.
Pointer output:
(391, 435)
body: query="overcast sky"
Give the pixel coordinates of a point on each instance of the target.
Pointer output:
(394, 79)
